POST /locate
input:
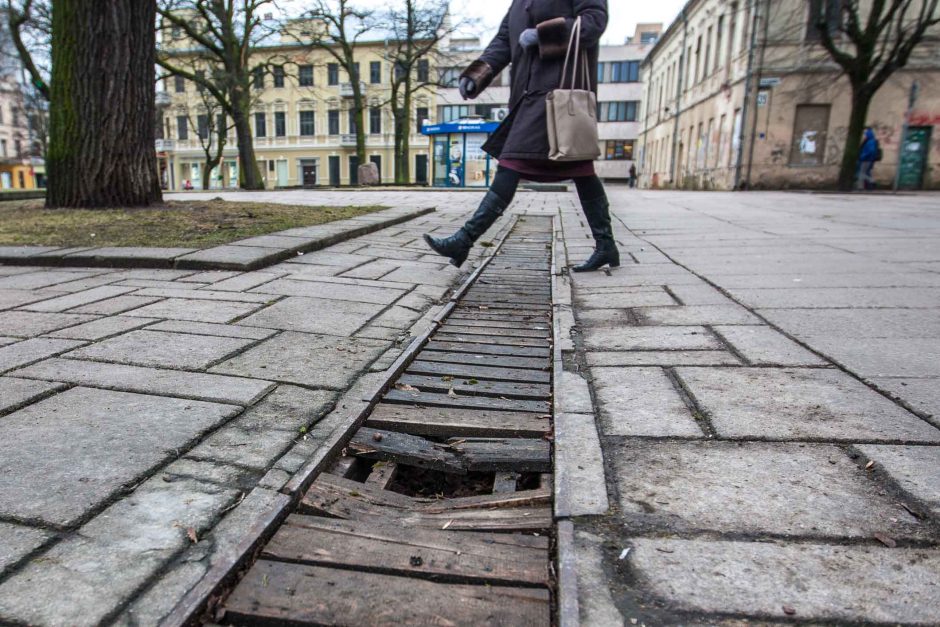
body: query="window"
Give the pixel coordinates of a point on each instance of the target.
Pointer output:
(332, 74)
(449, 113)
(823, 14)
(617, 111)
(424, 71)
(220, 126)
(377, 160)
(698, 59)
(179, 84)
(355, 72)
(3, 147)
(333, 121)
(257, 78)
(307, 124)
(375, 72)
(202, 125)
(278, 73)
(719, 34)
(450, 77)
(421, 116)
(18, 148)
(305, 75)
(261, 127)
(280, 124)
(810, 127)
(200, 79)
(399, 70)
(618, 72)
(708, 52)
(375, 121)
(176, 32)
(649, 37)
(619, 150)
(182, 127)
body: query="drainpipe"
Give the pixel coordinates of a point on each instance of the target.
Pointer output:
(759, 72)
(679, 79)
(748, 88)
(646, 117)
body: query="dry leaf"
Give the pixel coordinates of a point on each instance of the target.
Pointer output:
(191, 534)
(404, 387)
(451, 393)
(789, 611)
(447, 524)
(869, 465)
(886, 540)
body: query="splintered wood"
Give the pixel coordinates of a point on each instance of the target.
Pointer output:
(375, 541)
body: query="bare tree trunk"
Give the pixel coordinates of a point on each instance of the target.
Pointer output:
(861, 100)
(101, 140)
(248, 174)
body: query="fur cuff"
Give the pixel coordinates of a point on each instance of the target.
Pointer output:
(553, 38)
(480, 73)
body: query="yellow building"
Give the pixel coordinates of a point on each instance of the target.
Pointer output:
(302, 121)
(16, 166)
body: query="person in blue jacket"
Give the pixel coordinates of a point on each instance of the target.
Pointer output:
(868, 154)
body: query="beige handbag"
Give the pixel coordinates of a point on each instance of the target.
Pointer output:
(571, 113)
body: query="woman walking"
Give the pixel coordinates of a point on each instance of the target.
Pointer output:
(534, 36)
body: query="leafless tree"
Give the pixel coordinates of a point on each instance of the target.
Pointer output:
(30, 30)
(869, 42)
(221, 35)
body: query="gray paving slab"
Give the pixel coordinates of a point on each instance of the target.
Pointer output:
(330, 290)
(314, 315)
(18, 541)
(15, 392)
(859, 324)
(915, 469)
(33, 350)
(650, 338)
(196, 310)
(572, 394)
(624, 300)
(210, 276)
(813, 298)
(134, 537)
(120, 255)
(641, 402)
(244, 281)
(778, 489)
(204, 294)
(206, 328)
(230, 257)
(42, 278)
(777, 403)
(116, 305)
(580, 483)
(102, 327)
(32, 323)
(764, 346)
(77, 299)
(873, 358)
(206, 387)
(821, 583)
(19, 252)
(695, 315)
(923, 395)
(55, 469)
(321, 361)
(662, 358)
(167, 350)
(10, 299)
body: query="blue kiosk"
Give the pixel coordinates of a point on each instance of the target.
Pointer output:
(459, 160)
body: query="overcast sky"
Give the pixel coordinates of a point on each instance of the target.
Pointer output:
(624, 15)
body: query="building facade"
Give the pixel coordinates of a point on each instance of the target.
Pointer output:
(302, 122)
(739, 94)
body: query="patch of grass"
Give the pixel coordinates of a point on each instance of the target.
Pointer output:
(191, 224)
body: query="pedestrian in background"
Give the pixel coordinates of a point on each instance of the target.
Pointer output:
(868, 153)
(534, 36)
(632, 175)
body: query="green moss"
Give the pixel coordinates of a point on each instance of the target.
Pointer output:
(176, 223)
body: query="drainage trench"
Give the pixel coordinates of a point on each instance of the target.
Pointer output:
(439, 510)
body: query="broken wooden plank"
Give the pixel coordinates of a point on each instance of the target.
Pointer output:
(407, 449)
(488, 349)
(499, 361)
(441, 369)
(298, 594)
(521, 498)
(344, 466)
(454, 422)
(430, 399)
(382, 475)
(475, 387)
(517, 454)
(454, 556)
(328, 493)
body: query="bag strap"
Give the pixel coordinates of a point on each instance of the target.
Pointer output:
(574, 44)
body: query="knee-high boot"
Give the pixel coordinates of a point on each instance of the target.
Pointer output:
(458, 245)
(605, 249)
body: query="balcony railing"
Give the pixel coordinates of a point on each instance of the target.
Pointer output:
(346, 89)
(164, 145)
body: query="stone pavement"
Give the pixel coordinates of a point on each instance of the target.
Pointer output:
(765, 376)
(148, 418)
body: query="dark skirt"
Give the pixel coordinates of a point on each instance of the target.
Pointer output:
(548, 171)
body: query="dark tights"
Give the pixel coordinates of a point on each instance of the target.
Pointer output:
(506, 181)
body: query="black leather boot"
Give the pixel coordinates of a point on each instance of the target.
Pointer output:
(605, 249)
(458, 245)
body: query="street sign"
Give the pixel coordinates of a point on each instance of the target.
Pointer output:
(762, 98)
(771, 81)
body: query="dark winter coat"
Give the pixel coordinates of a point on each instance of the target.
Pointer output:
(869, 148)
(536, 71)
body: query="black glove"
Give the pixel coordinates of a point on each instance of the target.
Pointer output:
(468, 88)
